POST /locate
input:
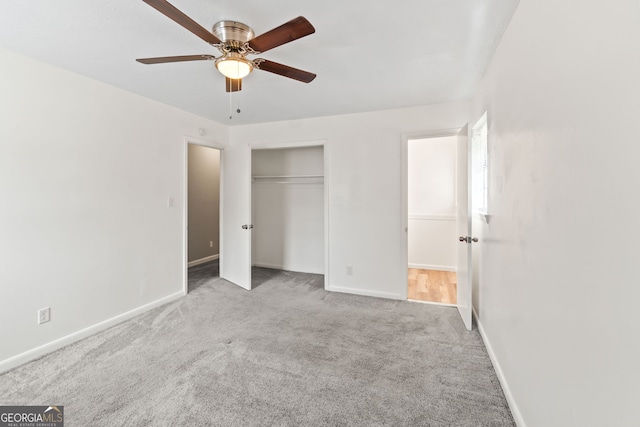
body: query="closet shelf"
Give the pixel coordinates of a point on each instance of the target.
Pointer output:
(286, 176)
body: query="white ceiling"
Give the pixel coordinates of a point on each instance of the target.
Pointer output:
(368, 54)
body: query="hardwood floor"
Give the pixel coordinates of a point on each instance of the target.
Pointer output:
(432, 286)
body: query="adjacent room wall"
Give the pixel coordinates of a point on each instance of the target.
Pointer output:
(204, 203)
(92, 185)
(288, 209)
(431, 202)
(364, 179)
(559, 282)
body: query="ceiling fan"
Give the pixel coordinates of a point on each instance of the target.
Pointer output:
(235, 41)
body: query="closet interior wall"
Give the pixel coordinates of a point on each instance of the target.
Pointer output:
(288, 209)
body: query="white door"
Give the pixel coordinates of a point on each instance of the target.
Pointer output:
(463, 226)
(235, 233)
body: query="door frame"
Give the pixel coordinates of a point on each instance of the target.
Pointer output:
(326, 148)
(404, 196)
(185, 203)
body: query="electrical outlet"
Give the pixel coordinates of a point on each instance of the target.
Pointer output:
(44, 315)
(349, 270)
(210, 243)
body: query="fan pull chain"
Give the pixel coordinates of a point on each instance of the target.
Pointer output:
(231, 87)
(231, 106)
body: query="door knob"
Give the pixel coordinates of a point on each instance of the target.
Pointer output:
(468, 239)
(247, 226)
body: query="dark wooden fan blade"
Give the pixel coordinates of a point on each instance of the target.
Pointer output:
(164, 59)
(174, 14)
(296, 28)
(284, 70)
(234, 85)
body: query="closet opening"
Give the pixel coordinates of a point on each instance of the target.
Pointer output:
(203, 215)
(288, 215)
(431, 232)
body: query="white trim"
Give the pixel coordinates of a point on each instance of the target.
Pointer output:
(403, 277)
(203, 260)
(513, 406)
(291, 144)
(444, 304)
(482, 121)
(433, 267)
(35, 353)
(324, 143)
(435, 217)
(326, 186)
(364, 292)
(283, 267)
(431, 134)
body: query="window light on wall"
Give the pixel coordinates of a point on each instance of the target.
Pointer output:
(480, 167)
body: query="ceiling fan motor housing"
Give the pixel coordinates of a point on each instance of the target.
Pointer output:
(233, 31)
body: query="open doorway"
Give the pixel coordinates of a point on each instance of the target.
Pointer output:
(288, 213)
(431, 233)
(203, 214)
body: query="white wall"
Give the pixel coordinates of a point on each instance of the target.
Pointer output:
(288, 161)
(559, 281)
(86, 172)
(431, 203)
(288, 213)
(366, 219)
(432, 176)
(432, 242)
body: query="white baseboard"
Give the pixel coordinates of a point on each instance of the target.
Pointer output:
(442, 304)
(284, 267)
(35, 353)
(388, 295)
(202, 260)
(513, 406)
(433, 267)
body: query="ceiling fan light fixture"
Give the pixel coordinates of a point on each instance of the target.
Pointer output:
(235, 40)
(234, 66)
